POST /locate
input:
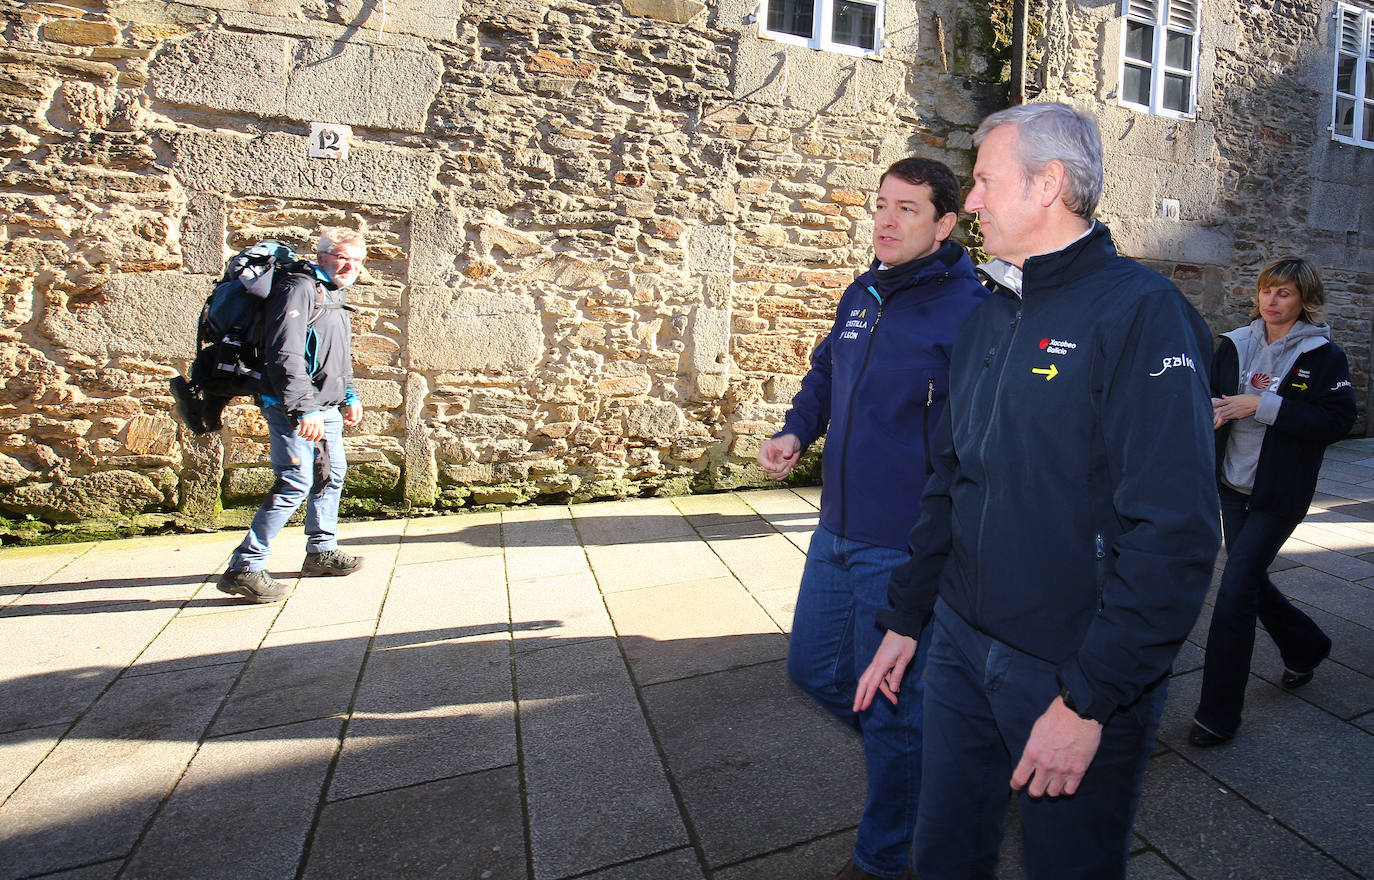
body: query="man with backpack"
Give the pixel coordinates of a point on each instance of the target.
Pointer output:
(307, 397)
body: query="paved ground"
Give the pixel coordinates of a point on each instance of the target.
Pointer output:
(550, 693)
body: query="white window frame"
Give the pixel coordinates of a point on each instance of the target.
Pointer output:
(1165, 16)
(1354, 39)
(822, 24)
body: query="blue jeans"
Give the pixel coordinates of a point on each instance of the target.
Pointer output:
(293, 461)
(982, 698)
(1253, 539)
(834, 636)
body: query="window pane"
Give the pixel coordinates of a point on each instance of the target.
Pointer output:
(854, 24)
(1140, 41)
(1178, 51)
(1176, 92)
(1345, 117)
(1135, 85)
(1369, 79)
(1345, 74)
(1369, 122)
(790, 17)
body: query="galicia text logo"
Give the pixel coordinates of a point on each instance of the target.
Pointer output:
(1057, 346)
(1178, 360)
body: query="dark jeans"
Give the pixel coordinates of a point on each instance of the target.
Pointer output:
(834, 637)
(1253, 539)
(982, 699)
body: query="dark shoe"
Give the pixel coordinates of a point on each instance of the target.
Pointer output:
(188, 405)
(1204, 738)
(1292, 679)
(851, 871)
(335, 562)
(255, 586)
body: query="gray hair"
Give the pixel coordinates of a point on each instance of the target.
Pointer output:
(1050, 131)
(337, 235)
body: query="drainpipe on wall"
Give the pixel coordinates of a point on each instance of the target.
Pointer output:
(1018, 52)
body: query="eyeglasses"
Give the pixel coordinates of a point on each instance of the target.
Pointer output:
(345, 258)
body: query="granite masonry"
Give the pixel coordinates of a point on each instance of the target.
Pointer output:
(603, 236)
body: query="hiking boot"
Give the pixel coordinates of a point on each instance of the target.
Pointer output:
(255, 586)
(188, 405)
(334, 562)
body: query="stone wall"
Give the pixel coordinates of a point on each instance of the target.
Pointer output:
(1256, 172)
(603, 236)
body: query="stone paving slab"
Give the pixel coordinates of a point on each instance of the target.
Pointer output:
(499, 681)
(679, 630)
(91, 797)
(760, 767)
(297, 675)
(470, 826)
(651, 564)
(597, 793)
(227, 788)
(427, 710)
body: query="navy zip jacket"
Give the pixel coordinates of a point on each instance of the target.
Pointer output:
(1073, 512)
(879, 381)
(308, 357)
(1318, 409)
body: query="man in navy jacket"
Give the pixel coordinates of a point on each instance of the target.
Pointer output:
(1070, 528)
(876, 388)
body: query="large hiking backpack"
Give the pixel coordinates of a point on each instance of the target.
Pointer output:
(230, 334)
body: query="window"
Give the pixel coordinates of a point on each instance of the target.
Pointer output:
(1159, 56)
(850, 26)
(1353, 100)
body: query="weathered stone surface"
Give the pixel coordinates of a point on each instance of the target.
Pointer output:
(145, 315)
(710, 249)
(676, 11)
(150, 435)
(202, 234)
(709, 338)
(224, 71)
(81, 32)
(452, 330)
(102, 495)
(276, 165)
(201, 475)
(361, 84)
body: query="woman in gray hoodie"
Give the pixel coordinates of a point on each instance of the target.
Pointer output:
(1281, 394)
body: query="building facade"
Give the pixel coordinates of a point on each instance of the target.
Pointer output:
(604, 236)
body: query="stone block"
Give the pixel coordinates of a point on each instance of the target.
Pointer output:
(436, 19)
(473, 330)
(567, 271)
(148, 314)
(513, 242)
(226, 789)
(113, 494)
(353, 83)
(653, 420)
(436, 239)
(150, 435)
(710, 249)
(676, 11)
(430, 830)
(708, 338)
(276, 165)
(203, 234)
(81, 32)
(221, 70)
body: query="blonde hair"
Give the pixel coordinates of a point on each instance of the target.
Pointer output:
(1303, 276)
(330, 236)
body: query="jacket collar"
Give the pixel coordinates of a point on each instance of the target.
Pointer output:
(1077, 260)
(948, 261)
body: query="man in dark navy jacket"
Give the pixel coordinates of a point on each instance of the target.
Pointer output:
(1070, 528)
(876, 388)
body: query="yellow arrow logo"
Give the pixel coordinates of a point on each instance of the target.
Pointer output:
(1049, 373)
(1302, 387)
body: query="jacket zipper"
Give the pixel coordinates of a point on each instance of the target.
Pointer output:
(925, 423)
(849, 413)
(1101, 567)
(983, 446)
